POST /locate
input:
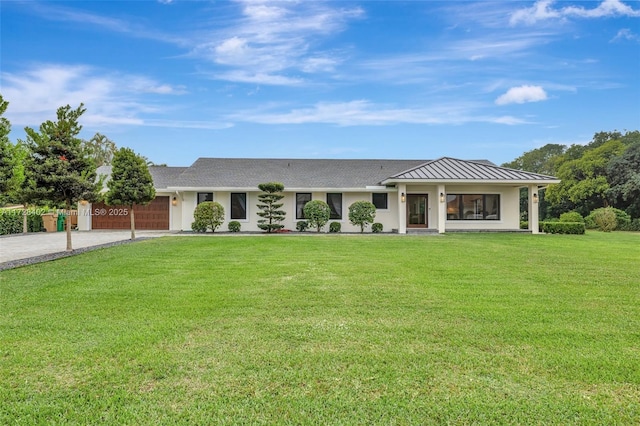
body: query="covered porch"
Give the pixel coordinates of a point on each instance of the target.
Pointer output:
(457, 195)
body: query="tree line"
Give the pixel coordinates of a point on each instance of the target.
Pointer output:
(53, 166)
(603, 173)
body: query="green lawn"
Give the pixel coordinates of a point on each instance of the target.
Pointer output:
(332, 329)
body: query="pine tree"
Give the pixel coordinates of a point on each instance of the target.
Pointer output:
(270, 207)
(62, 172)
(131, 183)
(11, 164)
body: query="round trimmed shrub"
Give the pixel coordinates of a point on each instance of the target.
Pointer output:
(234, 226)
(376, 228)
(208, 215)
(317, 213)
(571, 217)
(362, 213)
(335, 227)
(302, 225)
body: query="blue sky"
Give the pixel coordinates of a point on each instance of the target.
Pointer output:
(176, 80)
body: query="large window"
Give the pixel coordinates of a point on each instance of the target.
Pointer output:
(238, 205)
(302, 198)
(335, 204)
(205, 196)
(473, 207)
(380, 200)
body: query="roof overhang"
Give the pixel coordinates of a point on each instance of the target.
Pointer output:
(286, 189)
(507, 182)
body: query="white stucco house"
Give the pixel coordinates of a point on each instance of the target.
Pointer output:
(440, 195)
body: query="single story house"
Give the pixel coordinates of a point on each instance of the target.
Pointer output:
(440, 195)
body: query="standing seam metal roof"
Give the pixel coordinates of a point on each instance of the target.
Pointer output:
(453, 169)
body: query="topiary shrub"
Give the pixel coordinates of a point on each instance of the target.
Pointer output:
(571, 217)
(362, 213)
(234, 226)
(317, 213)
(376, 228)
(524, 224)
(302, 225)
(208, 215)
(575, 228)
(335, 227)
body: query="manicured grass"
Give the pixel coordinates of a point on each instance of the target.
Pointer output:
(334, 329)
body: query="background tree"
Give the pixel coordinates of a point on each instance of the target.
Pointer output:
(131, 183)
(584, 183)
(269, 207)
(208, 215)
(362, 213)
(59, 169)
(11, 159)
(623, 173)
(540, 160)
(101, 149)
(317, 213)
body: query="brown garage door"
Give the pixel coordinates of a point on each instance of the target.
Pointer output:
(155, 215)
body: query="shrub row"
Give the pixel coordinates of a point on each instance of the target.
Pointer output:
(576, 228)
(11, 222)
(335, 227)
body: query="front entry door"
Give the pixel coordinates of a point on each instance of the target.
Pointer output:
(417, 211)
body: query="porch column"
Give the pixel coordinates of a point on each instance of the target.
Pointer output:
(402, 208)
(442, 209)
(534, 209)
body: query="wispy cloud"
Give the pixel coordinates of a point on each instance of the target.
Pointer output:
(522, 94)
(626, 34)
(110, 98)
(76, 16)
(366, 113)
(544, 10)
(274, 42)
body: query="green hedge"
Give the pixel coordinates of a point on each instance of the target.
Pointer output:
(11, 222)
(576, 228)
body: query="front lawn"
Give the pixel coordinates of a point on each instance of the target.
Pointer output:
(331, 329)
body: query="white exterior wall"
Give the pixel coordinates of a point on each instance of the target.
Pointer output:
(392, 218)
(182, 214)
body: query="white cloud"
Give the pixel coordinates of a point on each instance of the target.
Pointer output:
(626, 34)
(544, 10)
(366, 113)
(110, 98)
(276, 39)
(521, 95)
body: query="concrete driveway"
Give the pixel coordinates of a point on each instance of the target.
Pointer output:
(21, 246)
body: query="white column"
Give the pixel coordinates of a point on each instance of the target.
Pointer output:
(84, 216)
(534, 212)
(402, 208)
(442, 209)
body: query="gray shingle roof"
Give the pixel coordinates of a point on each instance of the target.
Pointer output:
(162, 176)
(453, 169)
(244, 173)
(293, 173)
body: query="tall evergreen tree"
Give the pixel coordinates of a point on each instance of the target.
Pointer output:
(60, 168)
(131, 183)
(270, 207)
(11, 161)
